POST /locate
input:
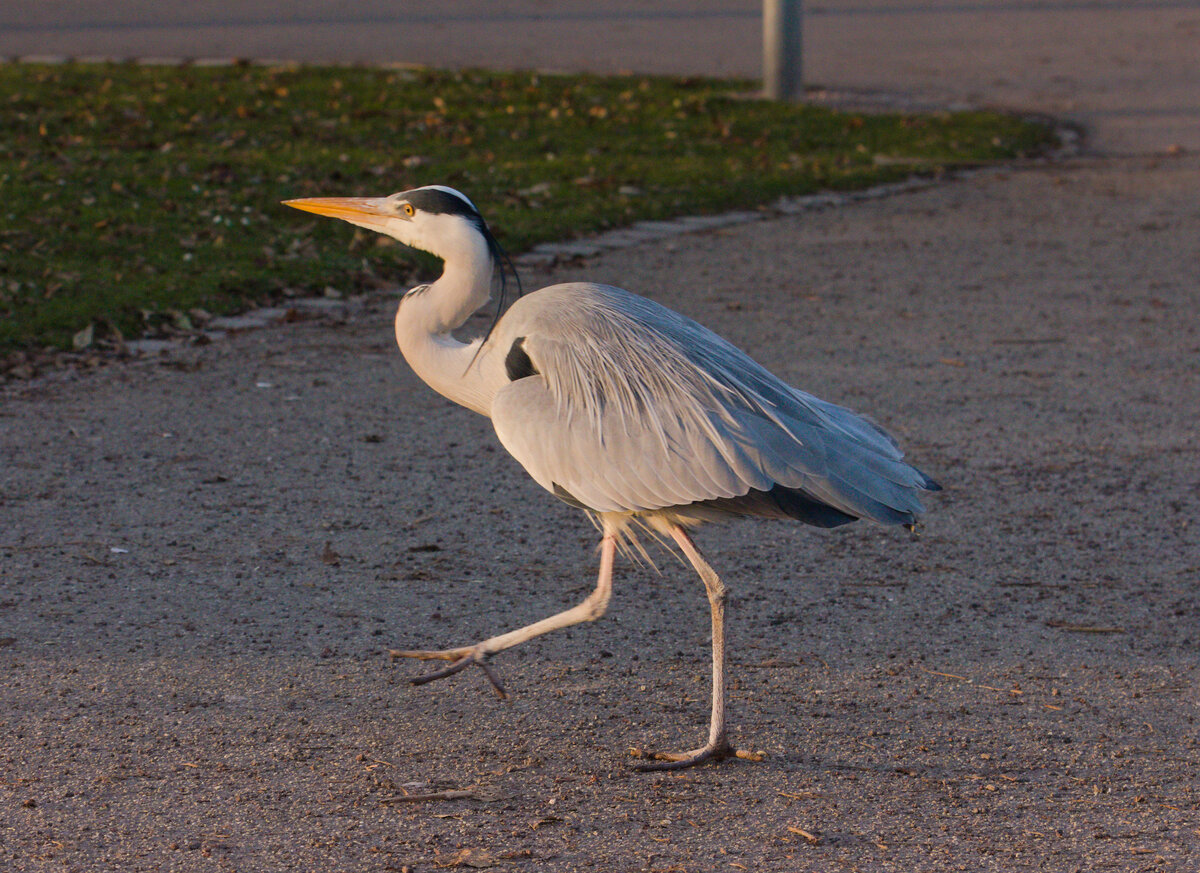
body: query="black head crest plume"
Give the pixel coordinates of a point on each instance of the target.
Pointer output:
(501, 260)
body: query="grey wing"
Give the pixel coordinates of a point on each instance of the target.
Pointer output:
(611, 467)
(628, 407)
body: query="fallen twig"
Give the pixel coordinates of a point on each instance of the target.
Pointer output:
(1084, 628)
(811, 839)
(951, 675)
(473, 792)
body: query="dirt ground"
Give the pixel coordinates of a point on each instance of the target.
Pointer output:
(206, 555)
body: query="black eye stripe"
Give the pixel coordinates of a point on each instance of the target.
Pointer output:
(439, 202)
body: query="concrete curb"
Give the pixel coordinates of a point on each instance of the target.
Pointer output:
(546, 256)
(543, 255)
(642, 232)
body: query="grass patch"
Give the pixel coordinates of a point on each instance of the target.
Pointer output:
(130, 195)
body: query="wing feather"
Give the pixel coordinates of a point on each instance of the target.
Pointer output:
(633, 407)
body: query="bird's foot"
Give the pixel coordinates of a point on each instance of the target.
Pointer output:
(462, 657)
(711, 751)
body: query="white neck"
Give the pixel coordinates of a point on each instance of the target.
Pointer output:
(427, 316)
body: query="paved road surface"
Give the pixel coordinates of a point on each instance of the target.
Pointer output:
(1128, 70)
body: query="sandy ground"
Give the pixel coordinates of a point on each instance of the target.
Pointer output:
(205, 557)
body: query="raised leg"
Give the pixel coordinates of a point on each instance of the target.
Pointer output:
(717, 747)
(591, 608)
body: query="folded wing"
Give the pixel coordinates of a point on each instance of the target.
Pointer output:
(622, 405)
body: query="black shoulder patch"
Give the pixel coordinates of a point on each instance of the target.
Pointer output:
(517, 363)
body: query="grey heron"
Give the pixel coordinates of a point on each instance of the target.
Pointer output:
(630, 411)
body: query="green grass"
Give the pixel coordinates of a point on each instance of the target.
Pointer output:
(130, 195)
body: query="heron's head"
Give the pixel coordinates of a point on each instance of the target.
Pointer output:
(434, 218)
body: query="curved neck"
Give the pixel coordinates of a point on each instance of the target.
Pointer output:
(429, 313)
(465, 283)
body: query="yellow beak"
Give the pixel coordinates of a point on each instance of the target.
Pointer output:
(364, 211)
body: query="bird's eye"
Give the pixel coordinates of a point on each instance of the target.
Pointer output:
(408, 210)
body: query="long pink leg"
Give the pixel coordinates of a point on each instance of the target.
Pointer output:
(591, 608)
(717, 747)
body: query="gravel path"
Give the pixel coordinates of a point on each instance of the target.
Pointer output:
(204, 557)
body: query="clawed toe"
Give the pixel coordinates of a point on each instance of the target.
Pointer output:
(462, 658)
(679, 760)
(432, 654)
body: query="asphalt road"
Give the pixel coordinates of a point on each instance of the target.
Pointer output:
(1129, 71)
(204, 556)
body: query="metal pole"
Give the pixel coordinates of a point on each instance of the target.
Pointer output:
(783, 71)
